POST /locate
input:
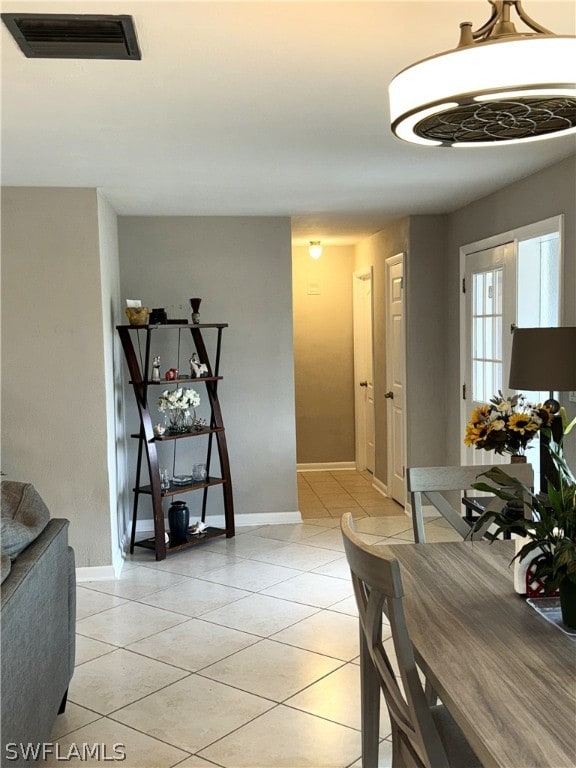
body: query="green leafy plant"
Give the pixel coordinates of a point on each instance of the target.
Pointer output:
(550, 525)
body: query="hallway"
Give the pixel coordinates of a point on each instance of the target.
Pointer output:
(331, 494)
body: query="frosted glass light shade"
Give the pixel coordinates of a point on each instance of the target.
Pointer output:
(315, 249)
(495, 92)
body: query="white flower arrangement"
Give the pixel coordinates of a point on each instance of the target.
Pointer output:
(178, 399)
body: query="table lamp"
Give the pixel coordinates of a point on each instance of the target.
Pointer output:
(545, 359)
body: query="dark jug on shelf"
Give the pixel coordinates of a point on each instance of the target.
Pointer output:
(178, 520)
(158, 316)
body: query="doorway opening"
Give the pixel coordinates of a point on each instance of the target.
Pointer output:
(363, 314)
(395, 378)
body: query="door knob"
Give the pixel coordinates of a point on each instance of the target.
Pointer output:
(363, 383)
(389, 395)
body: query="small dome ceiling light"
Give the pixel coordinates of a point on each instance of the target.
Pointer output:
(315, 249)
(498, 86)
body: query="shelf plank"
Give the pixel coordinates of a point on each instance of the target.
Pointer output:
(196, 433)
(172, 325)
(176, 489)
(193, 540)
(179, 380)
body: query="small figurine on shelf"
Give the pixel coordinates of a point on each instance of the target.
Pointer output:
(156, 368)
(171, 374)
(197, 528)
(195, 304)
(197, 368)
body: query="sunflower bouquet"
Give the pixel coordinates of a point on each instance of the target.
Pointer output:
(506, 425)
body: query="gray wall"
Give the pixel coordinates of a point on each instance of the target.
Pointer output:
(54, 423)
(548, 193)
(426, 348)
(241, 269)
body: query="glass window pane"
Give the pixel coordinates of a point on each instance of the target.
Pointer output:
(488, 379)
(497, 377)
(478, 288)
(478, 345)
(488, 293)
(477, 382)
(489, 351)
(486, 334)
(497, 337)
(498, 289)
(538, 281)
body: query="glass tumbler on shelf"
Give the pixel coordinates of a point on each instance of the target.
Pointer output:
(164, 479)
(199, 473)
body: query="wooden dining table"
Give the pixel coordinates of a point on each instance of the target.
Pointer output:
(505, 673)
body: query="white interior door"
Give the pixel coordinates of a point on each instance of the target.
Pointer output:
(395, 377)
(363, 369)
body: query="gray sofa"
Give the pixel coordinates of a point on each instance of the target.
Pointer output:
(38, 616)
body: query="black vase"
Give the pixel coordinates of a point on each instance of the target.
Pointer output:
(158, 316)
(178, 519)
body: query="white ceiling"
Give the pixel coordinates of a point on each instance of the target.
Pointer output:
(241, 108)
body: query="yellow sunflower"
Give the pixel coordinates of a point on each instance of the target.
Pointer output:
(522, 423)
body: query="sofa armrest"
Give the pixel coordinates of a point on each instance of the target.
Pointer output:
(37, 617)
(71, 612)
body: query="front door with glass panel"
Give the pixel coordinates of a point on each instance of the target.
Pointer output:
(489, 284)
(513, 283)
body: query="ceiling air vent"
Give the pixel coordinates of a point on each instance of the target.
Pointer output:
(73, 36)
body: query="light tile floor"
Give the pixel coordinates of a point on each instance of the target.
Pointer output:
(242, 653)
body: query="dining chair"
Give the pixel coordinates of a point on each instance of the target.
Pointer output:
(431, 483)
(424, 735)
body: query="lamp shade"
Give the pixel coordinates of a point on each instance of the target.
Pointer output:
(543, 359)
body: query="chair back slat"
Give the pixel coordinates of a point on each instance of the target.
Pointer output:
(432, 482)
(456, 478)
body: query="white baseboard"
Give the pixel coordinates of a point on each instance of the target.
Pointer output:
(328, 466)
(267, 518)
(95, 573)
(380, 486)
(240, 521)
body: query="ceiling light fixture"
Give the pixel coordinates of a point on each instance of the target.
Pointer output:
(315, 249)
(499, 86)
